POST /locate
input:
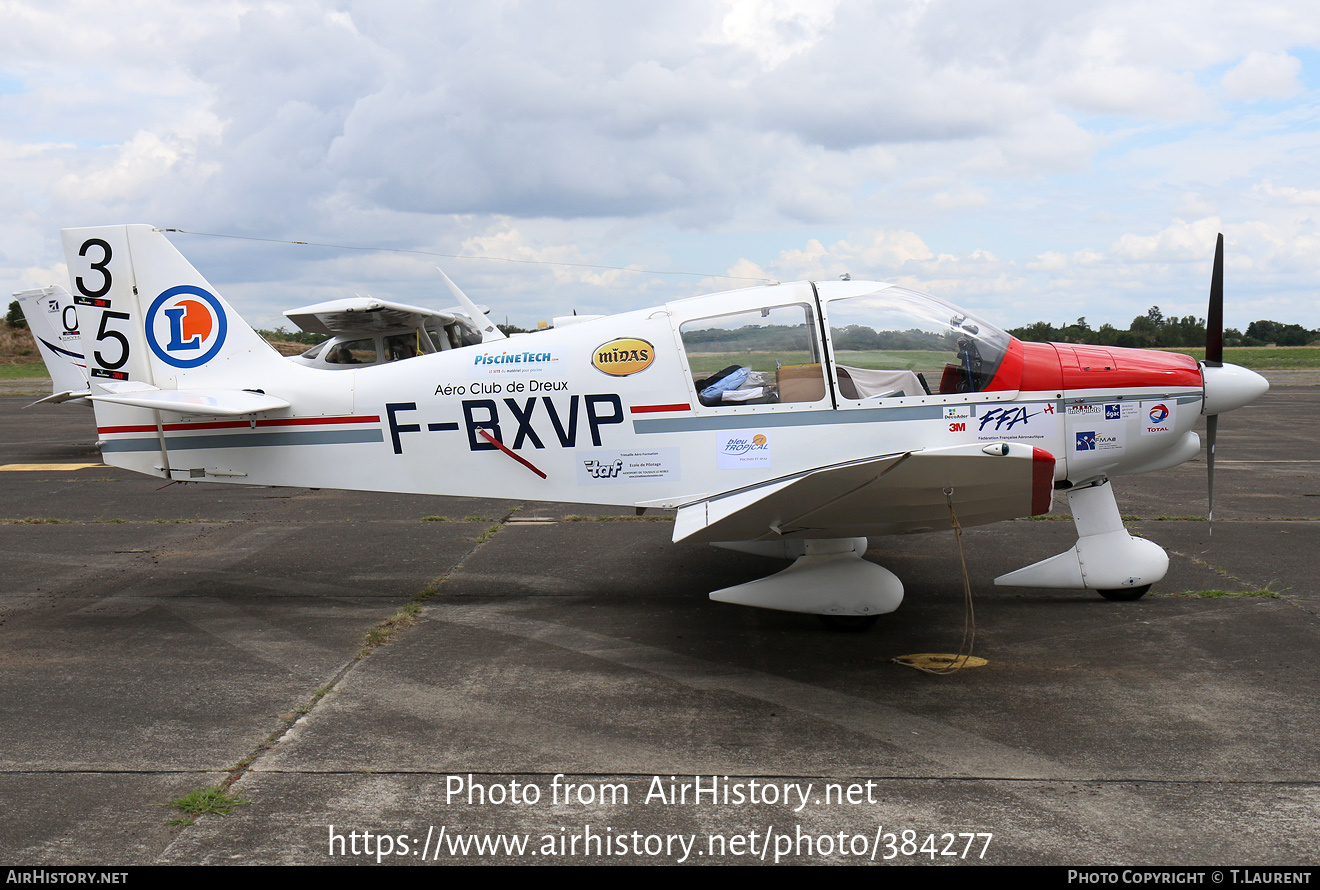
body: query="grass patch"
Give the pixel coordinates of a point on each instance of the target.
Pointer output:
(33, 371)
(576, 518)
(206, 800)
(316, 697)
(33, 520)
(927, 360)
(384, 632)
(477, 519)
(1180, 519)
(489, 533)
(1230, 594)
(435, 519)
(1264, 358)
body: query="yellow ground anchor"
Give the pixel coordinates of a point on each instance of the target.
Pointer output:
(939, 664)
(932, 661)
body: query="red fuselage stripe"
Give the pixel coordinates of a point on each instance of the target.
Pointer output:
(236, 424)
(652, 409)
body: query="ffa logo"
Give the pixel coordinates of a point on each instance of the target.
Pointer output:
(186, 326)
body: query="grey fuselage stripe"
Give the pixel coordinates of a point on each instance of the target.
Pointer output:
(858, 415)
(247, 440)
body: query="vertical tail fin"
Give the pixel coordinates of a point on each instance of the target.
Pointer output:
(150, 318)
(53, 321)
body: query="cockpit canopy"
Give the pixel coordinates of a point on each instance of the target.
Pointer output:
(884, 343)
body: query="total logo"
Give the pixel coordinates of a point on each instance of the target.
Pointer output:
(186, 326)
(1158, 413)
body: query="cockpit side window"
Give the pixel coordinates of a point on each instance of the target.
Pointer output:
(354, 352)
(758, 357)
(896, 342)
(402, 346)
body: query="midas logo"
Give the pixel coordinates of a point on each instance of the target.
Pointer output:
(622, 357)
(186, 326)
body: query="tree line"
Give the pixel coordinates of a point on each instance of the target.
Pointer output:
(1154, 330)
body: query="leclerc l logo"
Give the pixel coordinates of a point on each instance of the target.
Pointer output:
(186, 326)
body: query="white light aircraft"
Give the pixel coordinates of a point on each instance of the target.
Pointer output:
(52, 318)
(791, 420)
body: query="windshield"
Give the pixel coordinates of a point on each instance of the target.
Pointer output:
(899, 329)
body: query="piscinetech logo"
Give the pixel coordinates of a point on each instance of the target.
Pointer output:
(186, 326)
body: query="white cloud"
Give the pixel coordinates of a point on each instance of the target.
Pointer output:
(1264, 75)
(1038, 153)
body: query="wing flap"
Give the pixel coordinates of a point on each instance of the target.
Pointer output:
(888, 494)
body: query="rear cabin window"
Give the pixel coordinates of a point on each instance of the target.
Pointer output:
(759, 357)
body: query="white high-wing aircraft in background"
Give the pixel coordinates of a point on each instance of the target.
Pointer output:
(359, 331)
(790, 420)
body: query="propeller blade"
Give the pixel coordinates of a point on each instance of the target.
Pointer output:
(1214, 358)
(1211, 429)
(1214, 320)
(488, 330)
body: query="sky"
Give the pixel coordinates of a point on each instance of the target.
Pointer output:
(1026, 160)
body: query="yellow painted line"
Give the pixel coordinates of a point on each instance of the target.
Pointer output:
(22, 467)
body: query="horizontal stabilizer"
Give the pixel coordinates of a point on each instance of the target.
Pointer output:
(211, 402)
(57, 398)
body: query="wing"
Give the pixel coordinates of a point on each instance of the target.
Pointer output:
(884, 495)
(365, 315)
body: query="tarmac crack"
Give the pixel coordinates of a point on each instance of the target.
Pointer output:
(377, 636)
(1247, 585)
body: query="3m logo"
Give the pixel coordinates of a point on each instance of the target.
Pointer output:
(958, 427)
(186, 326)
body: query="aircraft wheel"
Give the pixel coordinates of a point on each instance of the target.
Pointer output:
(852, 624)
(1125, 594)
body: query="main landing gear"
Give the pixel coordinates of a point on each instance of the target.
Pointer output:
(1105, 558)
(828, 577)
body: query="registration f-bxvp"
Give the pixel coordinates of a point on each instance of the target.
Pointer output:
(790, 420)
